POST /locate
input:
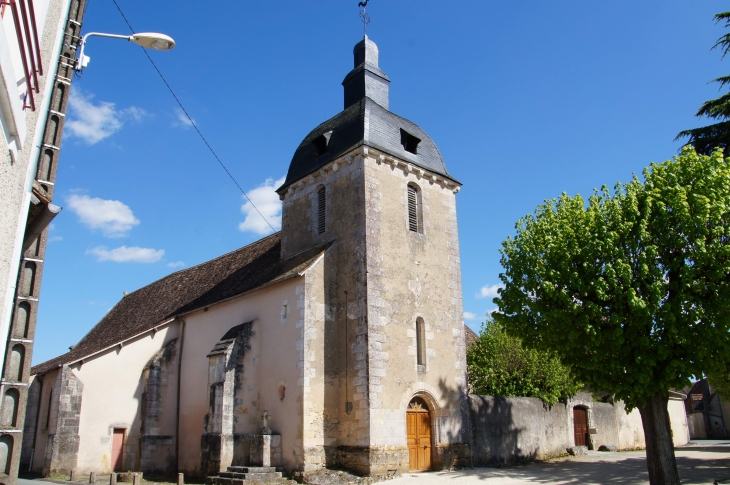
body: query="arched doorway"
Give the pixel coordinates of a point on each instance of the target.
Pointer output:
(418, 426)
(580, 425)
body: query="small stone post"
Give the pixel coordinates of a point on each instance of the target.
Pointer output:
(113, 478)
(72, 476)
(136, 479)
(92, 477)
(265, 440)
(180, 479)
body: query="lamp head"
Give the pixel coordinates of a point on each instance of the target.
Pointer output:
(153, 40)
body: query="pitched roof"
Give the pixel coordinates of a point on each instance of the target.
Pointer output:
(469, 336)
(250, 267)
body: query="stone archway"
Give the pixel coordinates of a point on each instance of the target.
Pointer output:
(418, 434)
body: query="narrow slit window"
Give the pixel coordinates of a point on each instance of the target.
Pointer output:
(420, 342)
(415, 218)
(409, 142)
(320, 210)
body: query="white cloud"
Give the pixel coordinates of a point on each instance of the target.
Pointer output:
(267, 202)
(94, 122)
(181, 119)
(488, 291)
(114, 218)
(492, 310)
(124, 254)
(470, 316)
(55, 239)
(176, 264)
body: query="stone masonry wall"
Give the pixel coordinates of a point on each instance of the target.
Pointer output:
(225, 373)
(63, 439)
(375, 286)
(157, 442)
(413, 275)
(516, 429)
(340, 338)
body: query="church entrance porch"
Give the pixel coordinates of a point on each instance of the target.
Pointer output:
(418, 429)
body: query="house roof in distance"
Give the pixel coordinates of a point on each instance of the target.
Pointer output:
(248, 268)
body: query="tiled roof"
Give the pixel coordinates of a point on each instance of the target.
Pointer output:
(245, 269)
(469, 336)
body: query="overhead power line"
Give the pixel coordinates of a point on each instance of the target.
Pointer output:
(192, 123)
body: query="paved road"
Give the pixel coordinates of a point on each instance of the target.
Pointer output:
(702, 463)
(699, 463)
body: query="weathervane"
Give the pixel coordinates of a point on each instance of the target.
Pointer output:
(364, 16)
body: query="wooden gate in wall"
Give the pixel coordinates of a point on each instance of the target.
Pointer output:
(580, 426)
(418, 426)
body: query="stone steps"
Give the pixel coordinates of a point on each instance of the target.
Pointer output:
(247, 475)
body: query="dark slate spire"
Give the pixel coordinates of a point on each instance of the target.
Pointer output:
(366, 80)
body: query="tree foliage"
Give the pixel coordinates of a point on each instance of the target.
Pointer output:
(707, 138)
(720, 382)
(498, 365)
(631, 289)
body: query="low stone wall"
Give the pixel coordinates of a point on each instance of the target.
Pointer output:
(513, 429)
(517, 429)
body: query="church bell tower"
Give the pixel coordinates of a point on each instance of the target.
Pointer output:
(386, 391)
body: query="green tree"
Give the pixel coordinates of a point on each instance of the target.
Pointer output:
(707, 138)
(720, 382)
(498, 365)
(631, 289)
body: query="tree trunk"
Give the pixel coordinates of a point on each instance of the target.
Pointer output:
(659, 446)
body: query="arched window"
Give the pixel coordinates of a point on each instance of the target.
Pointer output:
(420, 341)
(415, 218)
(320, 210)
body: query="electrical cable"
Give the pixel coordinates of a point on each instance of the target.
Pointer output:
(192, 123)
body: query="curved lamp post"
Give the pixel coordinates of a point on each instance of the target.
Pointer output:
(149, 40)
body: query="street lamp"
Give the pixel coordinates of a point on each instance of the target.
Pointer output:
(150, 40)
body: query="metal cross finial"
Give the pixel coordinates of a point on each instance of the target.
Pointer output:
(364, 16)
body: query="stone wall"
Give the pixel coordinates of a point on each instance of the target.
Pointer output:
(62, 447)
(516, 429)
(225, 376)
(157, 448)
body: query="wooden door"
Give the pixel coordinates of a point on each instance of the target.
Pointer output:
(580, 426)
(118, 450)
(418, 428)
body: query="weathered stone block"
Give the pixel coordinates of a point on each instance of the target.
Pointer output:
(577, 450)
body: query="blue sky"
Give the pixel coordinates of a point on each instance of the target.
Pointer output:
(525, 99)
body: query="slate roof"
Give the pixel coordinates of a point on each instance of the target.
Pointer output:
(250, 267)
(365, 123)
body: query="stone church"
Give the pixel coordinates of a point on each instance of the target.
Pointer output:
(338, 341)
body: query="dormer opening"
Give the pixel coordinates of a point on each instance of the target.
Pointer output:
(321, 142)
(409, 142)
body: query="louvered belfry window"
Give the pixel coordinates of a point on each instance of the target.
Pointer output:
(320, 210)
(412, 208)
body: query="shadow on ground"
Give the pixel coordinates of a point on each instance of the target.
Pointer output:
(629, 470)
